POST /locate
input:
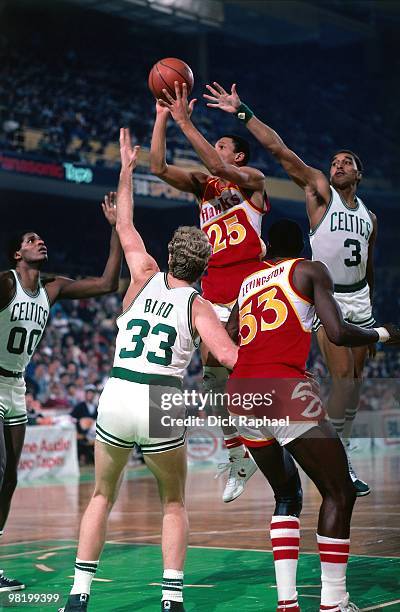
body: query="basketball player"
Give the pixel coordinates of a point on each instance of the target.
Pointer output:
(25, 302)
(163, 319)
(232, 202)
(273, 318)
(342, 235)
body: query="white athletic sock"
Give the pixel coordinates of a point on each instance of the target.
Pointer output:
(172, 585)
(338, 425)
(334, 554)
(84, 574)
(348, 425)
(285, 539)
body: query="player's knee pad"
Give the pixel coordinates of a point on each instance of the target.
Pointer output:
(289, 497)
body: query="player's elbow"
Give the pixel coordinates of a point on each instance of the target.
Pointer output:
(227, 356)
(157, 168)
(336, 335)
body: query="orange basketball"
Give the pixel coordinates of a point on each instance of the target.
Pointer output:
(164, 74)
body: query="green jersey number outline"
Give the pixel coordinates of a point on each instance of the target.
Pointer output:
(165, 345)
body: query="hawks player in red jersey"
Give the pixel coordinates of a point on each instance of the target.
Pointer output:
(232, 202)
(272, 320)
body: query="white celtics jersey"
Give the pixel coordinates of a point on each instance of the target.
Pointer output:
(155, 335)
(340, 241)
(22, 324)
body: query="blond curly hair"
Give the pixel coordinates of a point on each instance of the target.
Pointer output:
(189, 252)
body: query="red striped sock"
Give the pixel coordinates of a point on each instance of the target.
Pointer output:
(285, 539)
(334, 555)
(235, 446)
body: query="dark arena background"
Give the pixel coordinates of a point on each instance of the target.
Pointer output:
(325, 75)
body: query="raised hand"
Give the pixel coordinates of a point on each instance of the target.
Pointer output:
(129, 154)
(109, 206)
(179, 107)
(161, 110)
(228, 102)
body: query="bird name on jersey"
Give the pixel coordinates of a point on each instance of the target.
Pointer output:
(259, 281)
(29, 311)
(342, 221)
(160, 309)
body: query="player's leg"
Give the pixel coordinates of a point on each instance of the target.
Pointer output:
(321, 455)
(359, 356)
(11, 442)
(240, 467)
(110, 462)
(170, 468)
(340, 363)
(278, 467)
(344, 393)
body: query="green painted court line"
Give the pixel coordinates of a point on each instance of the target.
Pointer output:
(229, 580)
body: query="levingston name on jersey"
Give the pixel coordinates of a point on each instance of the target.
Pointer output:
(22, 324)
(232, 223)
(341, 240)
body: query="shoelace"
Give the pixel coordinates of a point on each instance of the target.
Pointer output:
(224, 467)
(7, 580)
(350, 608)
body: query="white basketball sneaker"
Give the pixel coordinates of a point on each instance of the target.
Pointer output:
(240, 470)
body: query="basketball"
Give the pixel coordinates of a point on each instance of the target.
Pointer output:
(164, 74)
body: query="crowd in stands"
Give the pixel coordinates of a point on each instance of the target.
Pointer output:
(79, 96)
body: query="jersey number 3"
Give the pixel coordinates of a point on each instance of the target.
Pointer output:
(165, 345)
(249, 320)
(355, 253)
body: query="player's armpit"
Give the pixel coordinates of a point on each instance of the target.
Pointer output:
(7, 288)
(140, 264)
(213, 334)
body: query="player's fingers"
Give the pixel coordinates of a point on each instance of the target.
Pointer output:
(212, 105)
(212, 98)
(191, 104)
(219, 88)
(233, 89)
(164, 104)
(178, 94)
(213, 91)
(168, 96)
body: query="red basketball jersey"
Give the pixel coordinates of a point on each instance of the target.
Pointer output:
(275, 323)
(232, 223)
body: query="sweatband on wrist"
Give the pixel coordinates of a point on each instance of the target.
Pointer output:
(244, 113)
(384, 335)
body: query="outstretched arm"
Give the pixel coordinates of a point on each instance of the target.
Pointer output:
(338, 331)
(178, 178)
(248, 178)
(213, 334)
(140, 263)
(308, 178)
(61, 288)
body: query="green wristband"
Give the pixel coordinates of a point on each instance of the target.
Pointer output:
(244, 113)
